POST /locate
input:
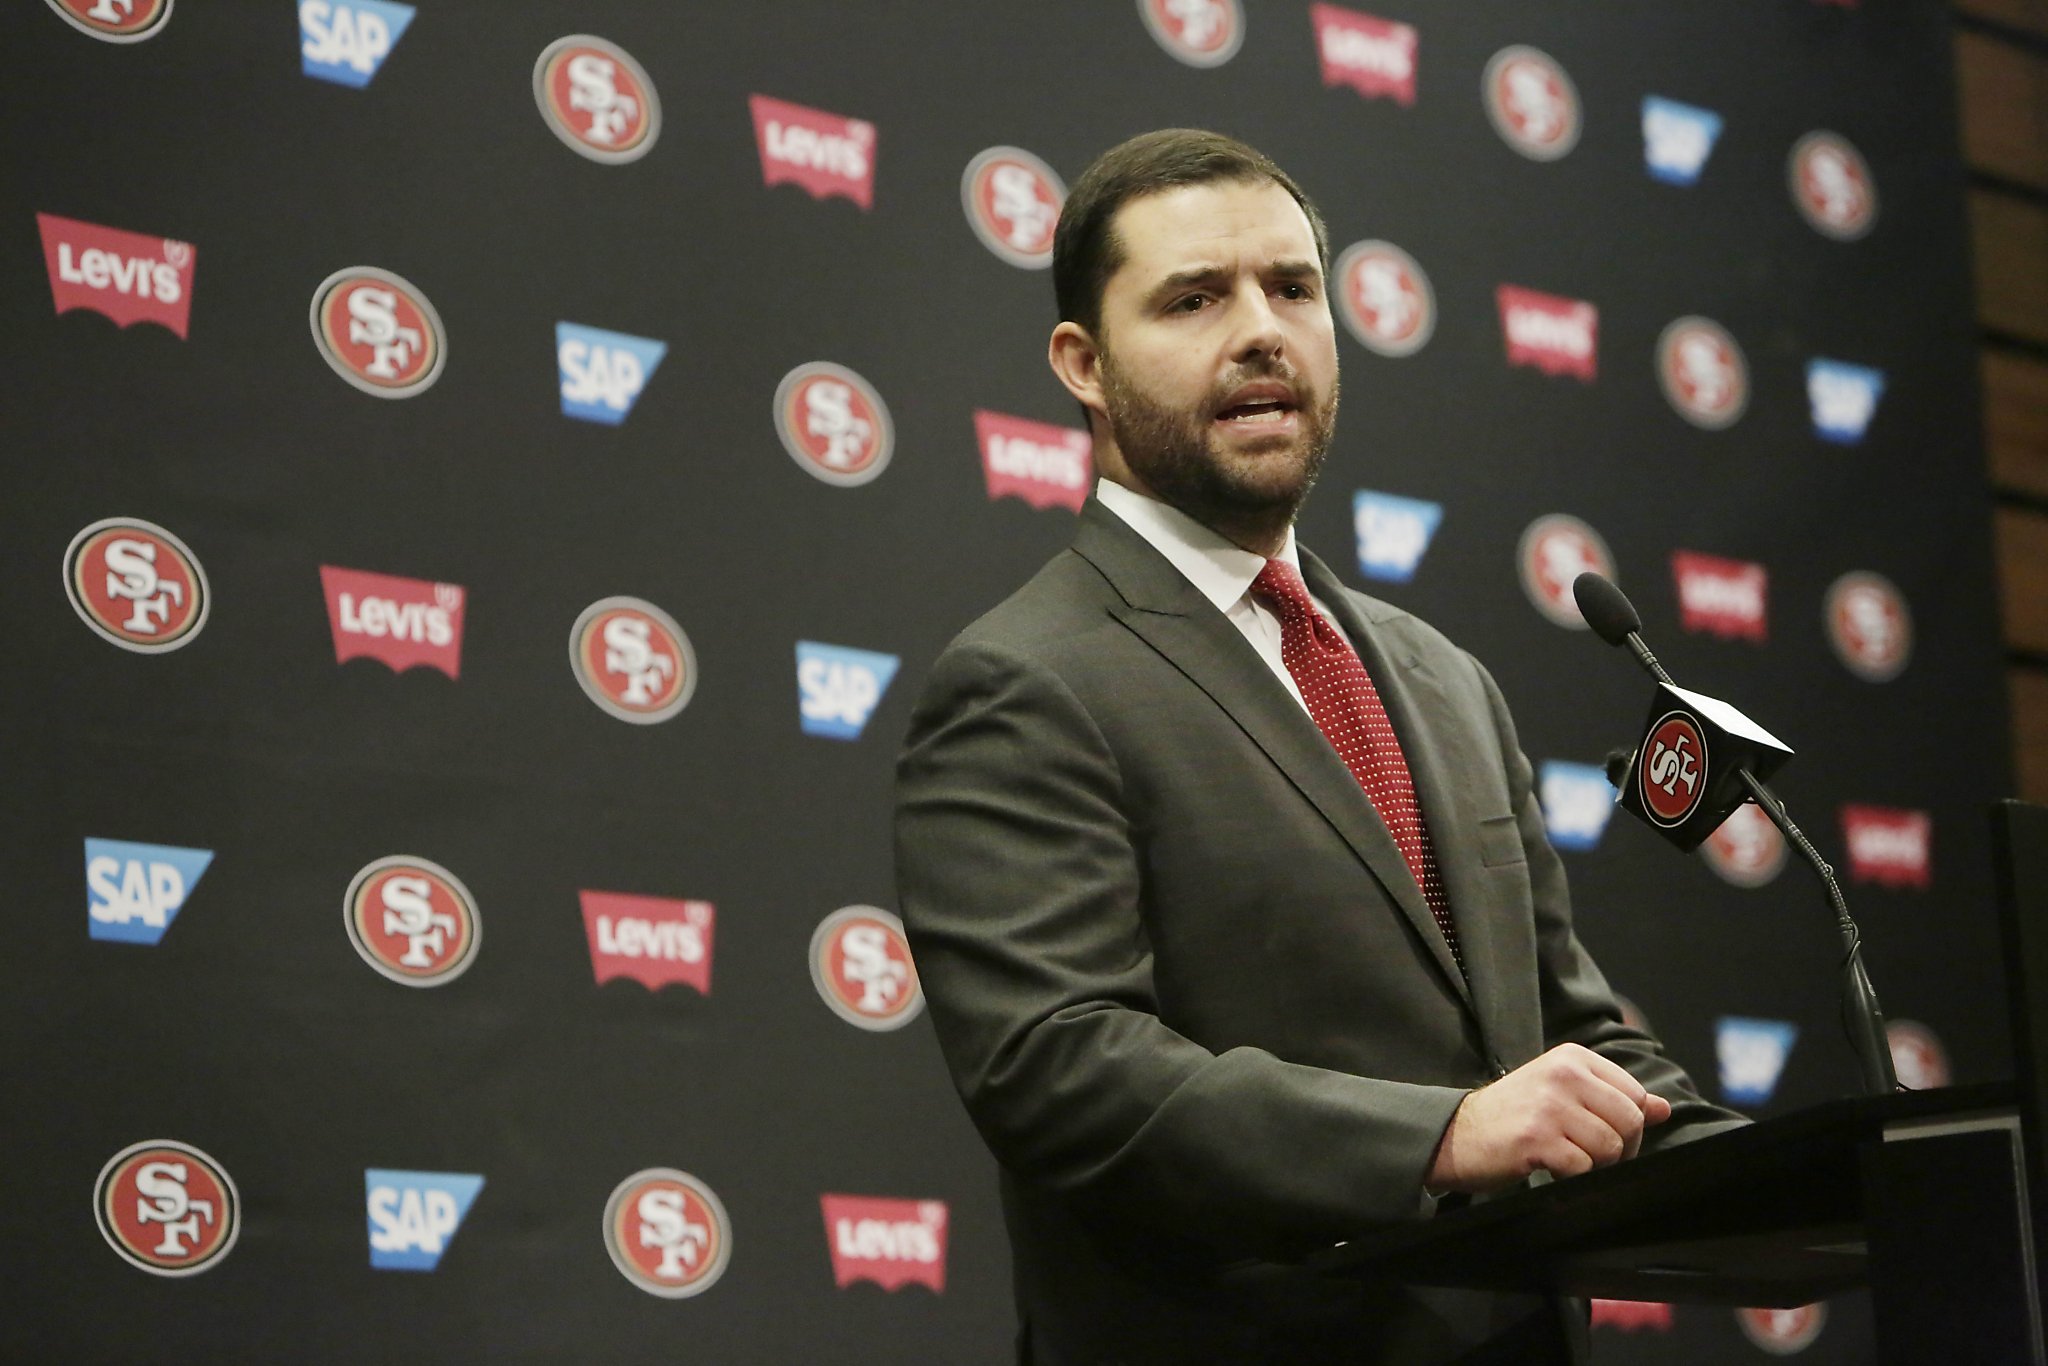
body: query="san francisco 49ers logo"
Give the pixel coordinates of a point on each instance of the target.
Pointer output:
(1671, 772)
(1554, 550)
(412, 920)
(136, 585)
(1384, 298)
(1746, 849)
(1869, 626)
(1012, 200)
(632, 660)
(1702, 372)
(667, 1233)
(833, 423)
(596, 98)
(115, 21)
(1198, 32)
(1832, 186)
(1532, 104)
(167, 1207)
(1781, 1332)
(378, 332)
(860, 963)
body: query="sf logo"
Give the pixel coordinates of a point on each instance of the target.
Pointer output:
(592, 89)
(666, 1227)
(629, 652)
(131, 575)
(161, 1198)
(830, 416)
(1674, 763)
(881, 978)
(409, 914)
(1014, 190)
(373, 322)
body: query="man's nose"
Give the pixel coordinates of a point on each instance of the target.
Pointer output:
(1257, 331)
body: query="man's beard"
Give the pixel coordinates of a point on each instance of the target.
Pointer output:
(1241, 491)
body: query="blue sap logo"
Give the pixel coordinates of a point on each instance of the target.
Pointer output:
(1677, 139)
(133, 891)
(345, 41)
(1393, 533)
(1576, 803)
(838, 687)
(1843, 396)
(414, 1215)
(1752, 1055)
(603, 372)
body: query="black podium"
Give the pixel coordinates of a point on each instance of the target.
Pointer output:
(1920, 1196)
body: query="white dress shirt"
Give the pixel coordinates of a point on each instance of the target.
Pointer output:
(1220, 571)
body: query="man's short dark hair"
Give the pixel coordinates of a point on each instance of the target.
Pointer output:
(1085, 248)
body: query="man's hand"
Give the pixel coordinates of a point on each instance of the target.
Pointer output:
(1567, 1112)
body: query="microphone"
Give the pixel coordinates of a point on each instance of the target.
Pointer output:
(1698, 760)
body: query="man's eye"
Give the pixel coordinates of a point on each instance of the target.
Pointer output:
(1190, 304)
(1296, 290)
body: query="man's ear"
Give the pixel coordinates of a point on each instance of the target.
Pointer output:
(1077, 363)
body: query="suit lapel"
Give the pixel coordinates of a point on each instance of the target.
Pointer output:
(1438, 752)
(1166, 611)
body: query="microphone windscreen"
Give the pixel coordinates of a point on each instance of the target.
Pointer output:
(1606, 608)
(1616, 766)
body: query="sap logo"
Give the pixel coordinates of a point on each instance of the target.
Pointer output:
(826, 154)
(1752, 1055)
(1677, 139)
(346, 41)
(1843, 397)
(134, 891)
(414, 1215)
(840, 687)
(603, 372)
(1393, 533)
(890, 1242)
(1557, 336)
(1577, 800)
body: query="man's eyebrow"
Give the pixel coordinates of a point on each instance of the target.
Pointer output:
(1212, 274)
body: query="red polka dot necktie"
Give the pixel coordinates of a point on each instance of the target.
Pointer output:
(1347, 709)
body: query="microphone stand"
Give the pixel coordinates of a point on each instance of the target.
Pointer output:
(1862, 1019)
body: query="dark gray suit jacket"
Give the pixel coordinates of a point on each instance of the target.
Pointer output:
(1186, 985)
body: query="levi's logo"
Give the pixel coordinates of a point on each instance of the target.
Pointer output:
(1721, 597)
(889, 1242)
(826, 154)
(129, 277)
(1557, 336)
(402, 622)
(1375, 57)
(1044, 465)
(652, 940)
(1890, 848)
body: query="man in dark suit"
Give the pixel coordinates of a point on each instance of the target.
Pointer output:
(1227, 885)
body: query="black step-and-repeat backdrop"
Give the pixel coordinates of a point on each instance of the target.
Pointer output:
(482, 485)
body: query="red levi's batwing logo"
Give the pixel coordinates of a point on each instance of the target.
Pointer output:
(1557, 336)
(827, 154)
(1046, 466)
(1721, 597)
(1375, 57)
(652, 940)
(129, 277)
(1630, 1315)
(402, 622)
(1888, 847)
(889, 1242)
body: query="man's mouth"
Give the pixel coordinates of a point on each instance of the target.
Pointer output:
(1266, 412)
(1259, 406)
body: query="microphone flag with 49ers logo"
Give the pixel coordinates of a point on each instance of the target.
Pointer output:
(1684, 779)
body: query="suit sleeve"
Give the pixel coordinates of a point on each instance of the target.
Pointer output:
(1578, 1005)
(1019, 878)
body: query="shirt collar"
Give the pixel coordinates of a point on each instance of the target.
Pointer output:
(1220, 571)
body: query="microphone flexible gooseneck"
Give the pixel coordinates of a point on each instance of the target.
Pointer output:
(1613, 618)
